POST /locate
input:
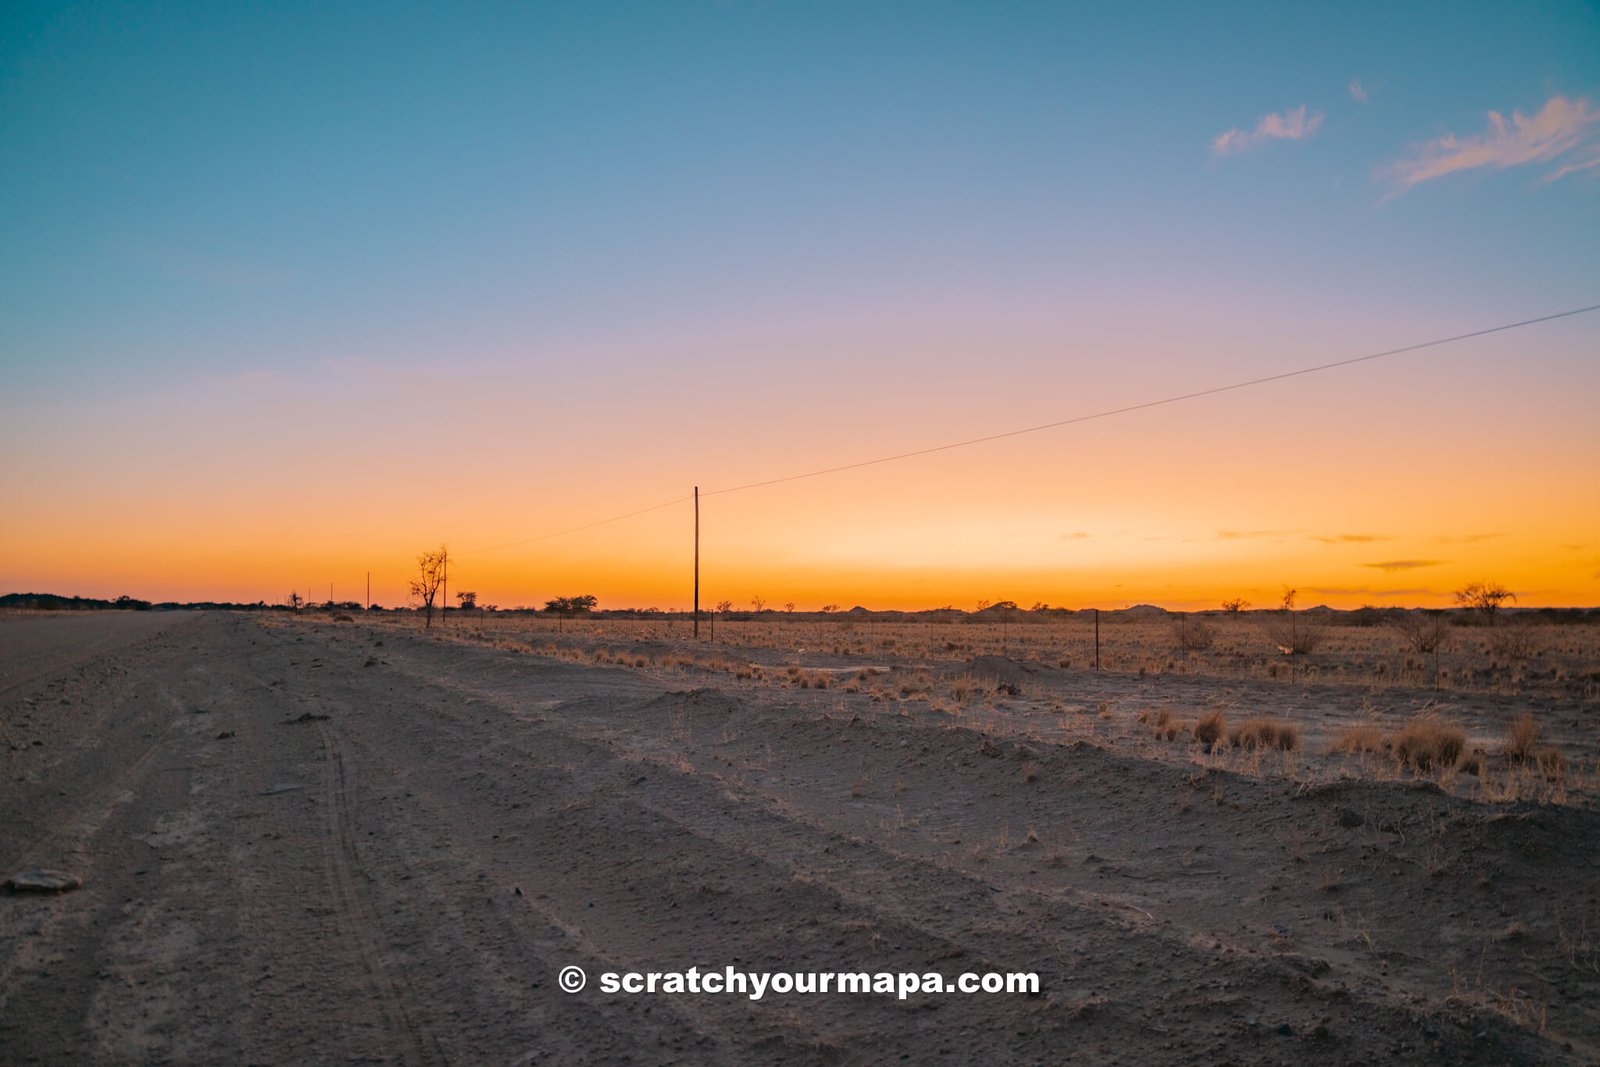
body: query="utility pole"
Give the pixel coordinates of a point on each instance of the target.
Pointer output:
(697, 563)
(444, 612)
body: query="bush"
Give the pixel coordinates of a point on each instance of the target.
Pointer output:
(1521, 735)
(1265, 733)
(1425, 743)
(1192, 635)
(1360, 737)
(1422, 631)
(1211, 728)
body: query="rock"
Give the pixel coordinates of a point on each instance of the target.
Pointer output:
(40, 880)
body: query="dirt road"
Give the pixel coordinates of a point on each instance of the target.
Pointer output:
(321, 842)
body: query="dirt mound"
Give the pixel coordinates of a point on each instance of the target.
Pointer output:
(1002, 670)
(707, 704)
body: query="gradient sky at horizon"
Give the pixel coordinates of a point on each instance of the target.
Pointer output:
(292, 292)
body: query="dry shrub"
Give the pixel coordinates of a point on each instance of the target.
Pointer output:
(1424, 743)
(1211, 728)
(1296, 637)
(1192, 635)
(1158, 721)
(1265, 733)
(1521, 736)
(1513, 644)
(1360, 737)
(1422, 631)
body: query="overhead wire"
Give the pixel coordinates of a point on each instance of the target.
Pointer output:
(1059, 423)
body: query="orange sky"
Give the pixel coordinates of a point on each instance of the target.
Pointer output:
(1362, 485)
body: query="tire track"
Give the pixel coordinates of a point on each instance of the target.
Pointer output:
(414, 1044)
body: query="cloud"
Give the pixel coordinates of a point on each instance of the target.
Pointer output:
(1352, 539)
(1403, 564)
(1293, 125)
(1076, 535)
(1466, 539)
(1358, 92)
(1245, 535)
(1564, 129)
(1364, 590)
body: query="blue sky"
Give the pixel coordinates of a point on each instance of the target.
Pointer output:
(195, 184)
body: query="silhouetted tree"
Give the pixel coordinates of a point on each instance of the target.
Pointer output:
(570, 605)
(425, 587)
(1484, 598)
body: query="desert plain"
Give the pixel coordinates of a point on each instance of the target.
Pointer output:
(334, 838)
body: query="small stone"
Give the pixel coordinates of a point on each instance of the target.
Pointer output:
(40, 880)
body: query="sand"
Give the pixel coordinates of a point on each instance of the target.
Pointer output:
(304, 841)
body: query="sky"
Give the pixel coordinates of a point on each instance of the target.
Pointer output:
(290, 293)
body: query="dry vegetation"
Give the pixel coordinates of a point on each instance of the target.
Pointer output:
(1406, 694)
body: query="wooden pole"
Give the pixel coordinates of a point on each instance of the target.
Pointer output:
(697, 563)
(1096, 638)
(444, 578)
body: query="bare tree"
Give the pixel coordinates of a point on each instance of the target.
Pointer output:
(789, 606)
(758, 603)
(725, 607)
(467, 599)
(430, 575)
(294, 601)
(1484, 598)
(1235, 606)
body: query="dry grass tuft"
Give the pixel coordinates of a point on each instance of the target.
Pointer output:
(1425, 743)
(1551, 762)
(1521, 735)
(1360, 737)
(1211, 728)
(1265, 733)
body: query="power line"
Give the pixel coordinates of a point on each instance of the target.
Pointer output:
(1075, 420)
(1149, 403)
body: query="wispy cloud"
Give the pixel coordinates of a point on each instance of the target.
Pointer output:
(1565, 131)
(1463, 539)
(1245, 535)
(1364, 590)
(1352, 539)
(1291, 125)
(1403, 564)
(1076, 535)
(1358, 92)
